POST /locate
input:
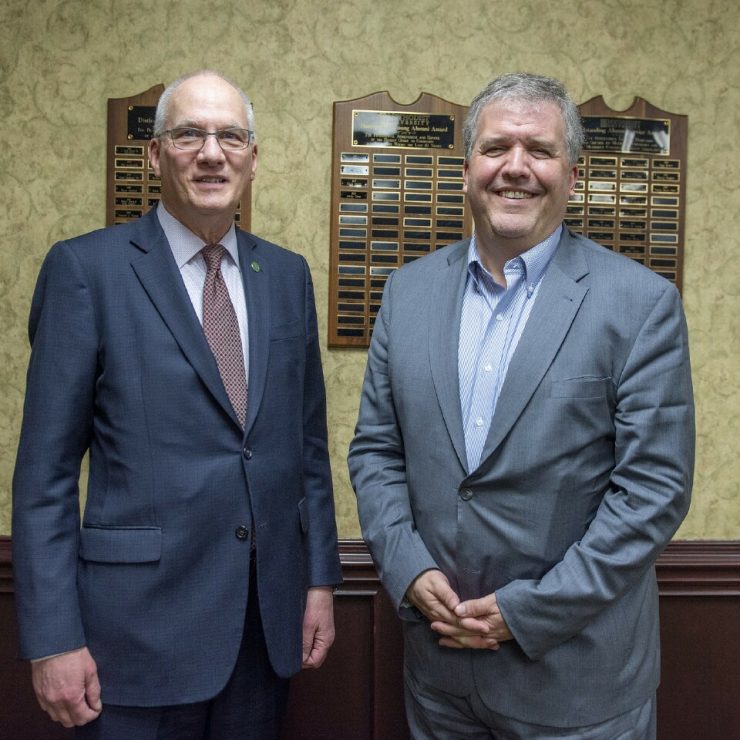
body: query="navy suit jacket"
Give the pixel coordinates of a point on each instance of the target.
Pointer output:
(154, 579)
(584, 477)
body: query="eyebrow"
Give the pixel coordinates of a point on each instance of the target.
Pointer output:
(190, 123)
(529, 141)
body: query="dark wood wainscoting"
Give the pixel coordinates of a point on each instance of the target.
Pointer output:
(358, 693)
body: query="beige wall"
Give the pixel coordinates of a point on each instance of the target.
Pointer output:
(60, 62)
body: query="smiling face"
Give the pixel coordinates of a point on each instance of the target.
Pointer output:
(517, 178)
(202, 189)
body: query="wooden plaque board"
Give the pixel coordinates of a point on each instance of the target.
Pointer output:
(397, 179)
(631, 190)
(132, 187)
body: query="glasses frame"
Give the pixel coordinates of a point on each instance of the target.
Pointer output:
(204, 137)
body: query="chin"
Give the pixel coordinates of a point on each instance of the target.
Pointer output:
(508, 230)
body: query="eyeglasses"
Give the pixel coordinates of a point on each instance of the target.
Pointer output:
(192, 139)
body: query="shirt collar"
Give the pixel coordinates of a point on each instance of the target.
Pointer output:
(185, 244)
(535, 260)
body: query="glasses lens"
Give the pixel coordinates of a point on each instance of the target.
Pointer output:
(233, 138)
(188, 138)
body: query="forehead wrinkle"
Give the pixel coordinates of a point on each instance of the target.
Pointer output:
(550, 142)
(194, 123)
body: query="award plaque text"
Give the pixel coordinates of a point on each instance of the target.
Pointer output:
(397, 194)
(630, 194)
(397, 130)
(132, 187)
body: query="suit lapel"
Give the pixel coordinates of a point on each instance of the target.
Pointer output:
(256, 276)
(558, 301)
(445, 308)
(157, 272)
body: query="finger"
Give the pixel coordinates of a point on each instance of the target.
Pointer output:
(307, 647)
(316, 658)
(474, 643)
(81, 714)
(472, 628)
(475, 607)
(92, 694)
(478, 626)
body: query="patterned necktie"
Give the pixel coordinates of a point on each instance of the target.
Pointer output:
(222, 331)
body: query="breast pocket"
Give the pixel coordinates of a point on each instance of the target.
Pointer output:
(289, 330)
(583, 387)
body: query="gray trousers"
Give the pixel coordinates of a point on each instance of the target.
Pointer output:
(436, 715)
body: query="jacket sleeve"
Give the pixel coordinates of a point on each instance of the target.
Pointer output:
(647, 498)
(324, 567)
(55, 435)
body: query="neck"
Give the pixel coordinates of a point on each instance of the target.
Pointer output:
(494, 255)
(210, 228)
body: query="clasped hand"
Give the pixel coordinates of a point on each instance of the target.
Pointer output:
(476, 623)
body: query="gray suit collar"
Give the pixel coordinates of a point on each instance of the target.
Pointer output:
(446, 294)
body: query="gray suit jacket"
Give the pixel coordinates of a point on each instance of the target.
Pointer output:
(585, 476)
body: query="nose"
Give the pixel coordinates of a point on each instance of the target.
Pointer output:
(516, 162)
(211, 150)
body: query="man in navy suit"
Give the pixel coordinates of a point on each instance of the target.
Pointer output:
(524, 449)
(200, 576)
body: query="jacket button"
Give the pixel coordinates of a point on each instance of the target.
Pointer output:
(242, 533)
(248, 453)
(466, 494)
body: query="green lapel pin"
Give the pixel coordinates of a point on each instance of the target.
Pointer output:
(255, 266)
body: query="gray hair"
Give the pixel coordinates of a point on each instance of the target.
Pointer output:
(160, 117)
(533, 89)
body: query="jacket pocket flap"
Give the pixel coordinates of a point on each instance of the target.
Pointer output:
(121, 544)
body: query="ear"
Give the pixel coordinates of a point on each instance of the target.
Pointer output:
(465, 176)
(254, 162)
(572, 177)
(154, 152)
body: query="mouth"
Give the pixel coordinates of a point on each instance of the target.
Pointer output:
(515, 194)
(211, 180)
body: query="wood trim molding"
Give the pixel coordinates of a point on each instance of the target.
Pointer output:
(6, 565)
(686, 568)
(700, 568)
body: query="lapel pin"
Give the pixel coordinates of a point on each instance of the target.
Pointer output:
(255, 266)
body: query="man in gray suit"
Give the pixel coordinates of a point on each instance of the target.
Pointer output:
(524, 449)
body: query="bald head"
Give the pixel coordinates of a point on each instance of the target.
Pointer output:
(203, 79)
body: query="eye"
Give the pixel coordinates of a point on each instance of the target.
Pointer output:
(237, 135)
(541, 152)
(492, 150)
(186, 134)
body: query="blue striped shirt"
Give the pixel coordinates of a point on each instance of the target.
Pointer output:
(493, 319)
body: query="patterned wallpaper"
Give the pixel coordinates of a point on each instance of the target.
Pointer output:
(61, 59)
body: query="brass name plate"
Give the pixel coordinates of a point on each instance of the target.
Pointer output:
(140, 122)
(627, 135)
(397, 130)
